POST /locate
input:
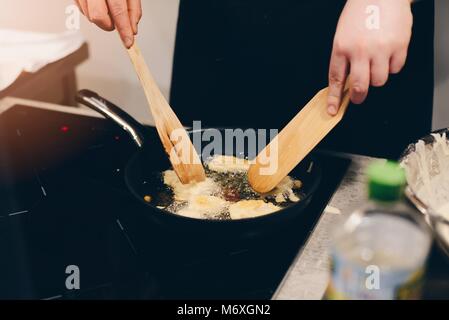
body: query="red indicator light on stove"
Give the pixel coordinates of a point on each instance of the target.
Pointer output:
(64, 129)
(116, 138)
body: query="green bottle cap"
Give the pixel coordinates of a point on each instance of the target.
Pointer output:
(386, 181)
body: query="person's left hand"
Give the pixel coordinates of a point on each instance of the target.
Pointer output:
(366, 51)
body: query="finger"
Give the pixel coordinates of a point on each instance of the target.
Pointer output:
(360, 79)
(99, 14)
(82, 5)
(380, 68)
(397, 61)
(119, 13)
(338, 71)
(135, 13)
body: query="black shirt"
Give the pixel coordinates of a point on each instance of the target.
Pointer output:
(255, 63)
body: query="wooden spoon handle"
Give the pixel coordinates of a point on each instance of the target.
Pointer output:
(295, 142)
(181, 152)
(156, 100)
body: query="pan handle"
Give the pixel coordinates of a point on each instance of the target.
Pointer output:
(97, 103)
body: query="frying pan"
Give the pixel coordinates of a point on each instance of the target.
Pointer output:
(142, 179)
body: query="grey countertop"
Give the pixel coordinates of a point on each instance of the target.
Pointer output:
(308, 276)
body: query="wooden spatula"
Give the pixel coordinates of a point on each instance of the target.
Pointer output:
(176, 141)
(295, 142)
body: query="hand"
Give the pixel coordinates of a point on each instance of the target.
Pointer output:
(368, 53)
(124, 15)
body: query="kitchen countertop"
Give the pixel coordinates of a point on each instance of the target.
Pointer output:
(308, 276)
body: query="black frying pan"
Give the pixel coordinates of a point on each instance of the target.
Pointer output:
(142, 179)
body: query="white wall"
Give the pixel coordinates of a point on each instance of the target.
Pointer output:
(110, 72)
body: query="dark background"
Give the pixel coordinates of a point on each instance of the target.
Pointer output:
(255, 63)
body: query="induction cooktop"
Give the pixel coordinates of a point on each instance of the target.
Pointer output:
(69, 229)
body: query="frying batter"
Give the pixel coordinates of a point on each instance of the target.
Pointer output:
(226, 194)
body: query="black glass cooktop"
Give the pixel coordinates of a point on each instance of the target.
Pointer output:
(63, 203)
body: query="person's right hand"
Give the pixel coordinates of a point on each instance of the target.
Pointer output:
(123, 15)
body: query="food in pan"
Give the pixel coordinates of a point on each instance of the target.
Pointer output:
(226, 193)
(203, 207)
(225, 164)
(251, 209)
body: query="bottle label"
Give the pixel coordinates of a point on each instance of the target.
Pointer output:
(353, 281)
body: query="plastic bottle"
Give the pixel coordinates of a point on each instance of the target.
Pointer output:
(380, 251)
